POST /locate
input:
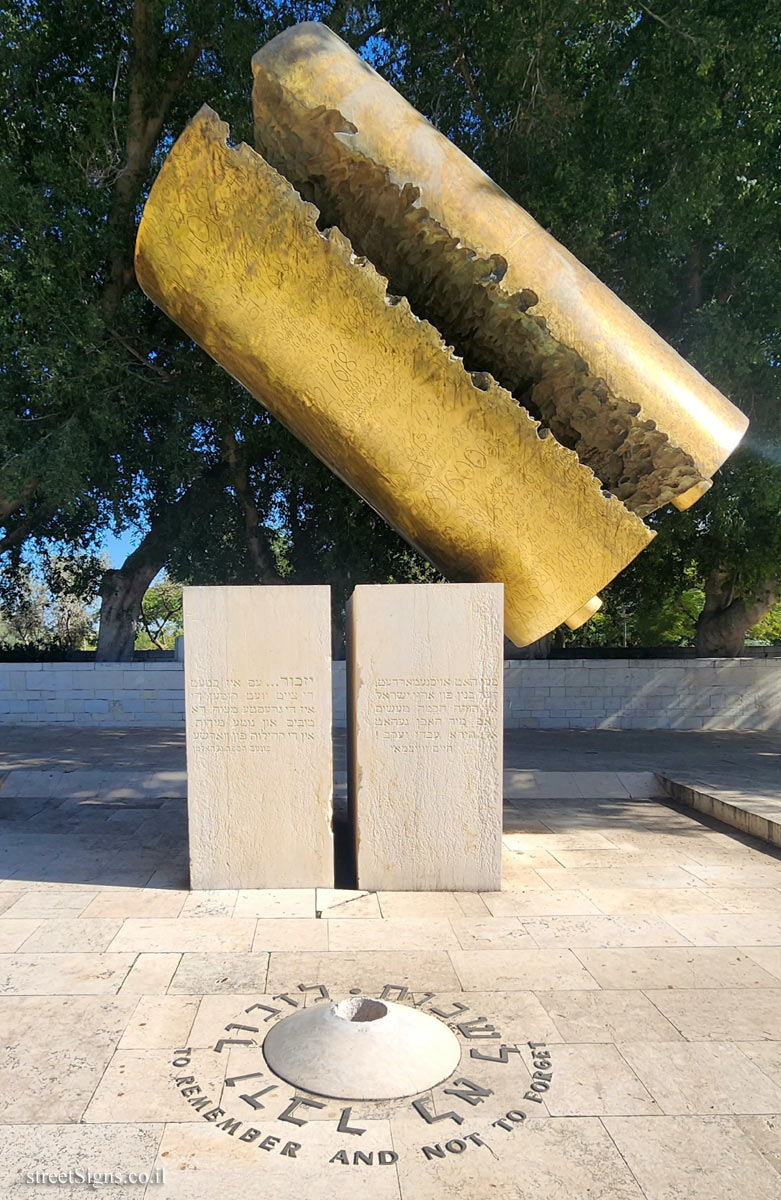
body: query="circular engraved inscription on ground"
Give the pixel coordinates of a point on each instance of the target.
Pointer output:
(362, 1049)
(274, 1094)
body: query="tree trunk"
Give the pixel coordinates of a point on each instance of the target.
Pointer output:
(149, 99)
(539, 649)
(257, 543)
(727, 616)
(122, 591)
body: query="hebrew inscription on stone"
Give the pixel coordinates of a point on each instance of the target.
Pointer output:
(259, 761)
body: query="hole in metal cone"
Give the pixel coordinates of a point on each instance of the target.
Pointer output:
(359, 1008)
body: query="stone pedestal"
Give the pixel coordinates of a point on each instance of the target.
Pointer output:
(424, 714)
(259, 751)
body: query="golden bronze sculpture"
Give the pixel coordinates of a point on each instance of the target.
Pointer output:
(359, 371)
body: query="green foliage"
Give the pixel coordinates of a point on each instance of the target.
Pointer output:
(108, 413)
(51, 608)
(768, 631)
(646, 141)
(160, 622)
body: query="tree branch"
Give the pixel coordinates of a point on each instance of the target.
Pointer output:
(143, 130)
(147, 362)
(262, 561)
(462, 65)
(680, 32)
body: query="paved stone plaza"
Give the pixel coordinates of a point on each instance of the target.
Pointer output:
(635, 944)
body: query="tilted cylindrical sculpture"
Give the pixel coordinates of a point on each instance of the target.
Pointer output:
(486, 394)
(498, 287)
(228, 249)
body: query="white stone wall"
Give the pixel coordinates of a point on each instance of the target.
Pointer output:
(85, 693)
(705, 693)
(651, 693)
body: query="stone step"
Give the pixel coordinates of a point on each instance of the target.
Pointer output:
(751, 812)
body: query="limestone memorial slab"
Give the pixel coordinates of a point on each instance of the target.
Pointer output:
(424, 715)
(259, 753)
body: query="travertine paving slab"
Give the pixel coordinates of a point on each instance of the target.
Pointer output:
(63, 974)
(674, 967)
(150, 973)
(594, 1080)
(471, 904)
(544, 1160)
(546, 785)
(601, 931)
(516, 876)
(347, 904)
(216, 1011)
(203, 974)
(394, 933)
(722, 1014)
(72, 935)
(516, 819)
(702, 1078)
(584, 839)
(229, 933)
(55, 1053)
(419, 904)
(629, 901)
(160, 1022)
(747, 899)
(174, 876)
(210, 904)
(501, 932)
(731, 929)
(514, 859)
(613, 1016)
(505, 1088)
(520, 1016)
(49, 905)
(696, 1158)
(138, 1085)
(201, 1164)
(54, 1149)
(137, 902)
(768, 957)
(764, 1133)
(607, 1016)
(294, 933)
(538, 902)
(766, 873)
(652, 876)
(15, 931)
(690, 839)
(620, 859)
(521, 870)
(280, 902)
(367, 970)
(767, 1056)
(729, 852)
(545, 970)
(44, 883)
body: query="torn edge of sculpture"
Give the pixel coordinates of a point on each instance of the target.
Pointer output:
(500, 407)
